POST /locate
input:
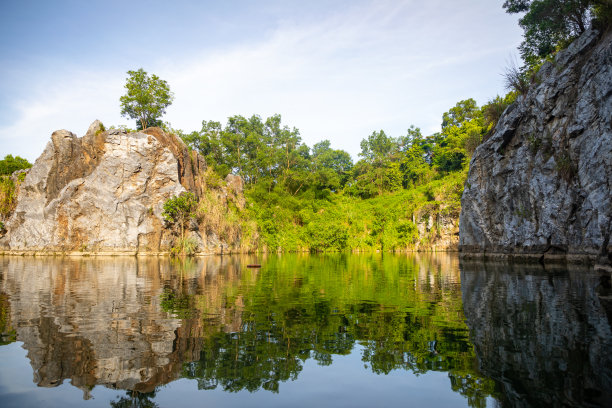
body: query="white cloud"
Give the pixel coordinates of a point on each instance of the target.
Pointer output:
(384, 65)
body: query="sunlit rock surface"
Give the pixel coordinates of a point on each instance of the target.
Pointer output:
(543, 335)
(105, 192)
(542, 184)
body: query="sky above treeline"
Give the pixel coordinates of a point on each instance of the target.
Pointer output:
(334, 69)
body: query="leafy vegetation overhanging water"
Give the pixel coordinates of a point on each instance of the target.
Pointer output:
(354, 330)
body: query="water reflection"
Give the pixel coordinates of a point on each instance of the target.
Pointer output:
(135, 324)
(542, 333)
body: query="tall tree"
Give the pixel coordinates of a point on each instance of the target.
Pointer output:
(146, 99)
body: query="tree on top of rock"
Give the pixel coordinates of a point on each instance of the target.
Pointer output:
(550, 24)
(146, 99)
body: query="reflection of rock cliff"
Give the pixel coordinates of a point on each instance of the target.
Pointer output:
(544, 336)
(543, 182)
(100, 321)
(105, 192)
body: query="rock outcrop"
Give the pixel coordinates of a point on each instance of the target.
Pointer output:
(104, 193)
(542, 184)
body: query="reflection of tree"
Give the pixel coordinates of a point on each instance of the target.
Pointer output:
(177, 304)
(135, 399)
(315, 307)
(7, 331)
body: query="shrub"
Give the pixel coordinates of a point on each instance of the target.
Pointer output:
(534, 143)
(8, 197)
(516, 80)
(565, 167)
(184, 246)
(11, 164)
(180, 210)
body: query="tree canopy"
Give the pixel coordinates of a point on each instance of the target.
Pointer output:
(10, 164)
(549, 24)
(146, 99)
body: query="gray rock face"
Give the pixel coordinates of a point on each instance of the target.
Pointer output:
(543, 182)
(544, 335)
(105, 192)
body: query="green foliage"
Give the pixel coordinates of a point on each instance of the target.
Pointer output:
(184, 246)
(464, 111)
(303, 199)
(271, 154)
(516, 80)
(8, 196)
(177, 304)
(8, 333)
(403, 311)
(100, 129)
(10, 164)
(180, 210)
(146, 99)
(494, 109)
(602, 12)
(550, 24)
(565, 166)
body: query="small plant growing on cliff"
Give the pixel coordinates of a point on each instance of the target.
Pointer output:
(8, 196)
(565, 167)
(534, 143)
(180, 210)
(146, 99)
(100, 129)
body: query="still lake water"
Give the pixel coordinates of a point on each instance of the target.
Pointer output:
(302, 331)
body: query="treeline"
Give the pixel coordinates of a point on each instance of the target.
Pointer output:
(316, 198)
(269, 154)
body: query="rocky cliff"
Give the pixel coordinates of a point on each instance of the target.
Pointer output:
(105, 192)
(542, 183)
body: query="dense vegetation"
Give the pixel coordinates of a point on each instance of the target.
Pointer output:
(315, 198)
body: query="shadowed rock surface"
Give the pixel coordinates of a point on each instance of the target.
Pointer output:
(544, 335)
(105, 192)
(542, 184)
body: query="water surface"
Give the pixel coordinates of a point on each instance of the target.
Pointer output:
(304, 330)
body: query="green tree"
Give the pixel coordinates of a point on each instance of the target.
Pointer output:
(10, 164)
(463, 111)
(146, 99)
(180, 210)
(549, 24)
(331, 168)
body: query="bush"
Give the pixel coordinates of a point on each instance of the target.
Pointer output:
(184, 246)
(516, 80)
(565, 166)
(8, 197)
(11, 164)
(180, 210)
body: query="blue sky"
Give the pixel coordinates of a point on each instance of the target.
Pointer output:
(334, 69)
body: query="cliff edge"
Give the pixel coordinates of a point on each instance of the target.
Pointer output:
(104, 193)
(541, 185)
